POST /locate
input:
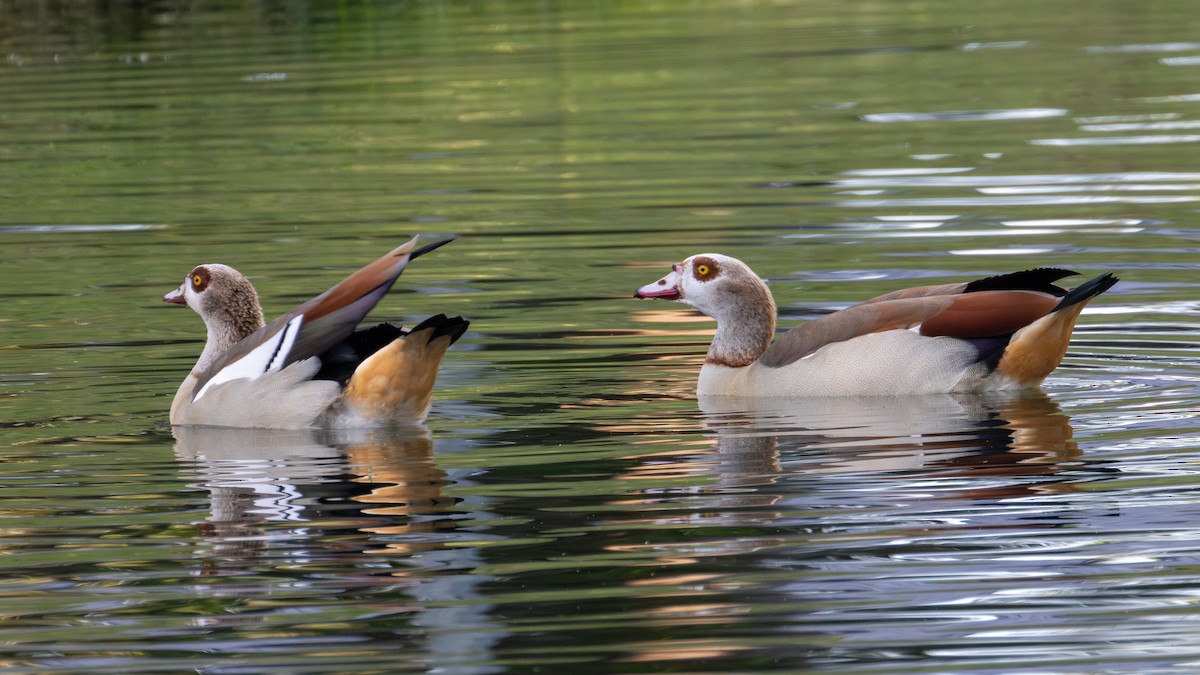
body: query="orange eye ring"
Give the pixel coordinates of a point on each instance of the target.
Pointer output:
(197, 280)
(702, 270)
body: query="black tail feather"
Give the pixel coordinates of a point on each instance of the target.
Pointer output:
(429, 247)
(443, 325)
(1087, 290)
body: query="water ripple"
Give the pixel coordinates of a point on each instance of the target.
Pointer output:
(991, 180)
(1180, 61)
(572, 506)
(965, 115)
(1144, 48)
(1009, 44)
(1141, 126)
(941, 202)
(1119, 140)
(79, 228)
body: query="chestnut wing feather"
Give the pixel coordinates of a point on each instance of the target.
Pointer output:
(989, 313)
(965, 316)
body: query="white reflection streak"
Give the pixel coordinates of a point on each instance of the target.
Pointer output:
(894, 227)
(983, 233)
(1119, 140)
(940, 234)
(1013, 201)
(1070, 222)
(80, 228)
(1030, 633)
(1110, 119)
(915, 171)
(1138, 48)
(1042, 189)
(1024, 179)
(1142, 126)
(902, 218)
(1002, 251)
(964, 115)
(1008, 44)
(1186, 307)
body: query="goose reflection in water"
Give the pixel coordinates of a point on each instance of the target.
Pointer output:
(824, 489)
(381, 480)
(760, 441)
(366, 503)
(993, 434)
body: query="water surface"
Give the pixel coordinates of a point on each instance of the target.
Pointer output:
(570, 504)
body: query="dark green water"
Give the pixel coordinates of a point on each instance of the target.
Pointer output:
(570, 507)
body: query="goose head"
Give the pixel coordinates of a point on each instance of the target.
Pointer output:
(727, 290)
(225, 300)
(712, 283)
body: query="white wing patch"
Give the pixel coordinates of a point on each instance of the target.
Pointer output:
(264, 358)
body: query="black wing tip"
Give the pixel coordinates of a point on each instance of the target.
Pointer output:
(1036, 279)
(429, 247)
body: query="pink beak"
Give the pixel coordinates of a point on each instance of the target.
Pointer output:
(176, 297)
(666, 288)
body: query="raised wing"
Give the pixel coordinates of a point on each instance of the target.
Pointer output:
(318, 324)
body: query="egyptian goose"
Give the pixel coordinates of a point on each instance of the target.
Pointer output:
(1003, 332)
(309, 368)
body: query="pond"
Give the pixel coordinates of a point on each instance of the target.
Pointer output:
(570, 504)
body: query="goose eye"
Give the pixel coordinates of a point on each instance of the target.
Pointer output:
(199, 278)
(705, 269)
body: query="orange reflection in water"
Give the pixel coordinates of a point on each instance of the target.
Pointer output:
(409, 483)
(679, 650)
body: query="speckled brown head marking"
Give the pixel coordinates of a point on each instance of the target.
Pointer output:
(199, 278)
(705, 269)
